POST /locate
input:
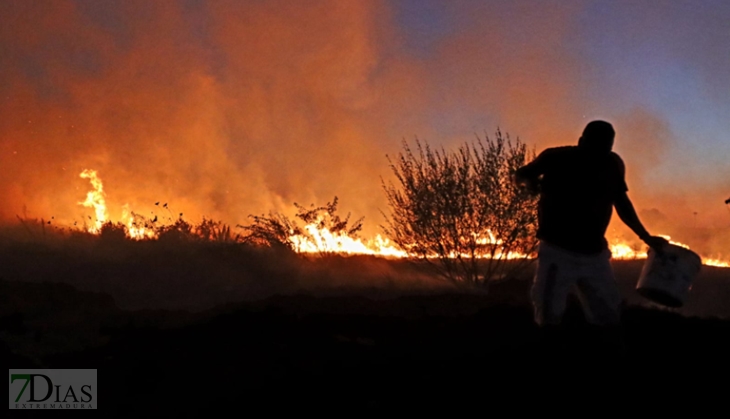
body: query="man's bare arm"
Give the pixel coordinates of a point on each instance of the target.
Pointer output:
(627, 213)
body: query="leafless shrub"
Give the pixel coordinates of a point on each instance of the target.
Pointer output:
(460, 211)
(275, 230)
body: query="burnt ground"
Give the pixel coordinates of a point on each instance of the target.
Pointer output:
(339, 354)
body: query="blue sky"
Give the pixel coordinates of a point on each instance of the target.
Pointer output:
(670, 58)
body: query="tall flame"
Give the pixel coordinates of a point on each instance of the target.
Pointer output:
(95, 199)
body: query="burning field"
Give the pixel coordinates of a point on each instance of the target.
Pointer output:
(359, 319)
(159, 260)
(314, 237)
(175, 108)
(154, 156)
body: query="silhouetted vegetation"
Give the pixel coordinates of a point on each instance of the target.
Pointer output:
(265, 325)
(144, 229)
(278, 230)
(460, 211)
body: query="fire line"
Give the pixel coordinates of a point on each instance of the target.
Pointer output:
(321, 240)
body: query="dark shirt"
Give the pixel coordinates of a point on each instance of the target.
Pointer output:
(577, 192)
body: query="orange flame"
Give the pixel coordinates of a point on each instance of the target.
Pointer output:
(95, 199)
(321, 240)
(720, 263)
(622, 250)
(324, 241)
(135, 228)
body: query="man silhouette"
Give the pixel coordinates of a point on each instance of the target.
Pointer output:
(578, 187)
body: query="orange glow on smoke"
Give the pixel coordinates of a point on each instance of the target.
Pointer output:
(322, 240)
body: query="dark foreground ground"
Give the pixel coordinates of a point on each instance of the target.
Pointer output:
(183, 330)
(348, 354)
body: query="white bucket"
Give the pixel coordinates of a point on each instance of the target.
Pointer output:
(667, 276)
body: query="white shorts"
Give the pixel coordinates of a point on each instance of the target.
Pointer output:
(559, 271)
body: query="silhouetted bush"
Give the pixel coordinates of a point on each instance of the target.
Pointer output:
(179, 231)
(460, 211)
(215, 231)
(113, 232)
(275, 230)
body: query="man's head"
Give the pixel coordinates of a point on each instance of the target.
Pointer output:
(597, 137)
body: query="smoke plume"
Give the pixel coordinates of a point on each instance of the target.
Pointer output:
(224, 109)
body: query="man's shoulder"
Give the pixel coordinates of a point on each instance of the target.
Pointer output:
(618, 161)
(570, 151)
(616, 157)
(561, 149)
(560, 152)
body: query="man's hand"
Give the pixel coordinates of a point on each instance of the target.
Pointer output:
(627, 213)
(655, 242)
